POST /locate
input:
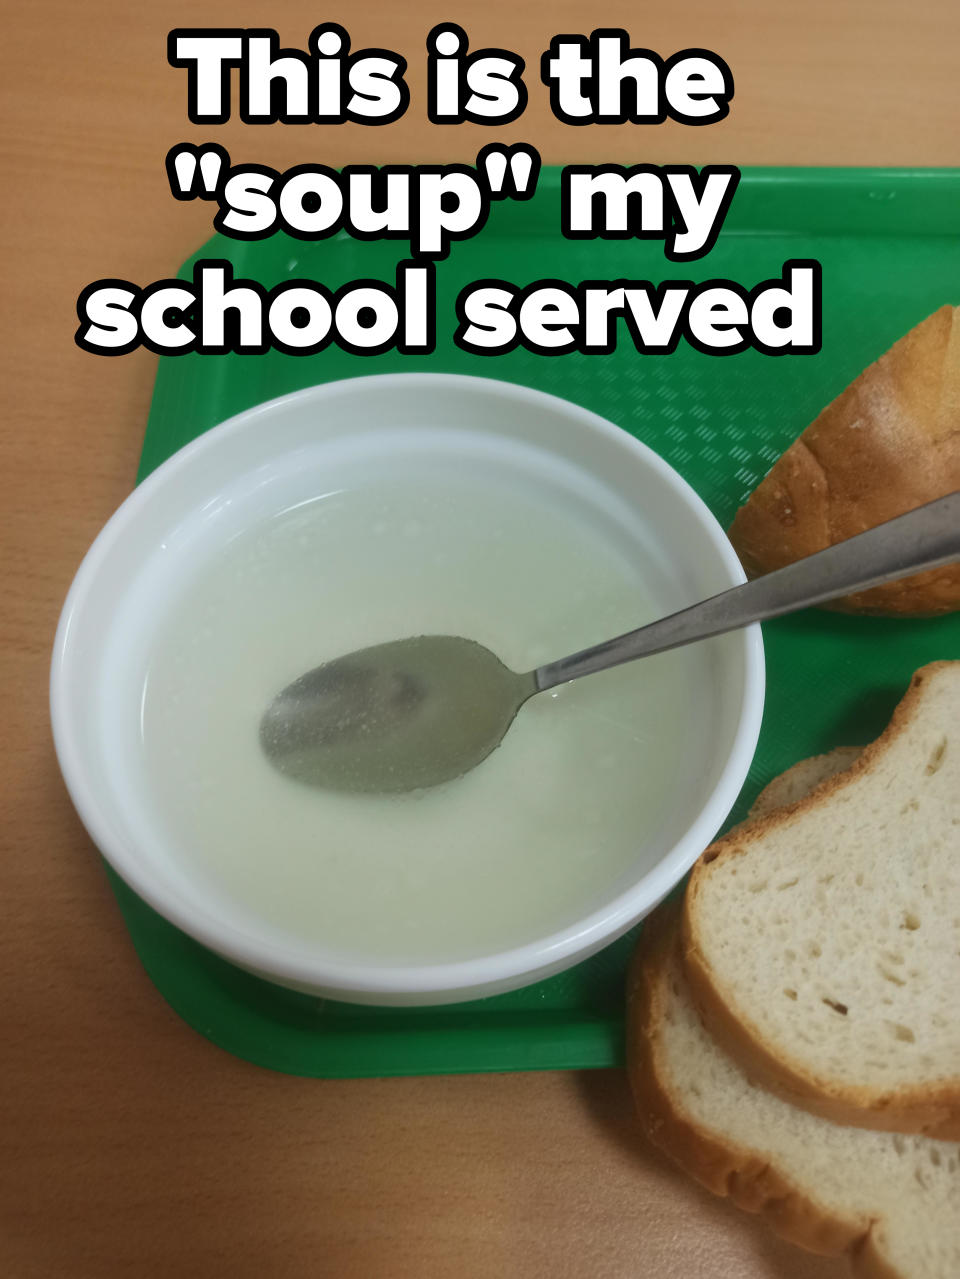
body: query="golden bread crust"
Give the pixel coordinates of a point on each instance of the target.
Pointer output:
(725, 1168)
(889, 443)
(932, 1110)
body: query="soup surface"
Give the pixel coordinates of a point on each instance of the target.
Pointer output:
(549, 826)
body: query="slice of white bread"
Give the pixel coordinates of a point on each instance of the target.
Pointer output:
(822, 941)
(891, 1202)
(800, 780)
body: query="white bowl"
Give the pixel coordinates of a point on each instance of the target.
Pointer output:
(269, 457)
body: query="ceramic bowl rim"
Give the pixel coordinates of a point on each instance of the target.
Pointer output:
(466, 978)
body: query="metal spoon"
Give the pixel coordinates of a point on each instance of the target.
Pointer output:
(416, 712)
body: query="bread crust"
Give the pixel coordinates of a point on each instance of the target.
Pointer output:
(933, 1110)
(889, 443)
(724, 1168)
(796, 783)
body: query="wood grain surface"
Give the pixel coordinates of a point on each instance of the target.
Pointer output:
(128, 1144)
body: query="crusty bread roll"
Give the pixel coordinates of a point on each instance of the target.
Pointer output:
(890, 442)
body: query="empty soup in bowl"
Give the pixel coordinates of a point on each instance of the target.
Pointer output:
(555, 822)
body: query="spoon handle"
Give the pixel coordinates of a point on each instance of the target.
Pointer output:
(924, 538)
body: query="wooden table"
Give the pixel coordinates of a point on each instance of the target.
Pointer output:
(128, 1144)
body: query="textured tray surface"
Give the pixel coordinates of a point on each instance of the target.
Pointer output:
(890, 254)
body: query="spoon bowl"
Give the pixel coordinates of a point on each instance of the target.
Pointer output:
(394, 717)
(414, 713)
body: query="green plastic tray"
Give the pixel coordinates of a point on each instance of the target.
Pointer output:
(890, 249)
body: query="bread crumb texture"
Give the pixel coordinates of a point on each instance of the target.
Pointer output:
(891, 1201)
(829, 933)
